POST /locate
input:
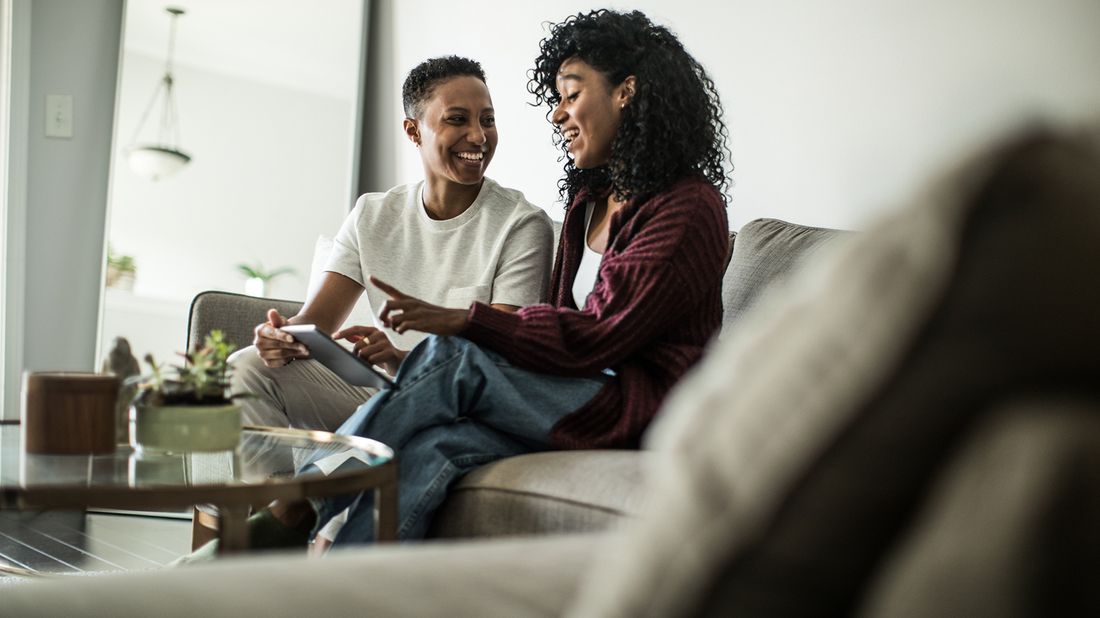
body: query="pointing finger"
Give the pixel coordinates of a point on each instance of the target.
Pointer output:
(387, 288)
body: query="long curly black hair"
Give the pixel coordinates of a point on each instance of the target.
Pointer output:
(671, 128)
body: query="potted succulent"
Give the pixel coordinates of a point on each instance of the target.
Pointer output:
(187, 407)
(121, 270)
(257, 277)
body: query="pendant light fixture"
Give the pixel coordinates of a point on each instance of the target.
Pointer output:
(163, 158)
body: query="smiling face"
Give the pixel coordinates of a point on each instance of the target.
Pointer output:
(456, 131)
(589, 111)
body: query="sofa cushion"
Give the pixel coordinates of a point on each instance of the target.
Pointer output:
(766, 251)
(572, 491)
(508, 577)
(1014, 515)
(795, 455)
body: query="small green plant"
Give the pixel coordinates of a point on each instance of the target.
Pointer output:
(257, 271)
(119, 262)
(202, 379)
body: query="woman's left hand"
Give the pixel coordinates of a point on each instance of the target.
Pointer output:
(403, 313)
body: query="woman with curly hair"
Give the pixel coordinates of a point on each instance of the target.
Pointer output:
(636, 288)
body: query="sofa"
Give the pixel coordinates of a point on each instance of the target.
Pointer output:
(908, 425)
(563, 491)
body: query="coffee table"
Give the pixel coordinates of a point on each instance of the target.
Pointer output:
(260, 470)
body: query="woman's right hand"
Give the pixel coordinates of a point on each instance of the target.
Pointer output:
(373, 346)
(275, 347)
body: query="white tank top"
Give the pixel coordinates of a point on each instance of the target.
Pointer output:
(590, 263)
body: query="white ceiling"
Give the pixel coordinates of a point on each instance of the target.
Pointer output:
(311, 46)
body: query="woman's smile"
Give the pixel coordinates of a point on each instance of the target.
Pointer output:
(471, 158)
(588, 112)
(457, 132)
(570, 136)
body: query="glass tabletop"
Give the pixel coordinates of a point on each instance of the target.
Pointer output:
(265, 457)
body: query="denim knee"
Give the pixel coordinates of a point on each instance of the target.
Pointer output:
(436, 346)
(436, 349)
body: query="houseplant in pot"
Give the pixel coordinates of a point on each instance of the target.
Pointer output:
(187, 407)
(121, 270)
(257, 278)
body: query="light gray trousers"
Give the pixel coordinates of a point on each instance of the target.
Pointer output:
(303, 394)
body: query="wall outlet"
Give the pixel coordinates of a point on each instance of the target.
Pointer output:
(59, 115)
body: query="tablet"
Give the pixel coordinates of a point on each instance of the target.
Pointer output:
(323, 348)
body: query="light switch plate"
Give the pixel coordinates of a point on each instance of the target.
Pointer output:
(59, 115)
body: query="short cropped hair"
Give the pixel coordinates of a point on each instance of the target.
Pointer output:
(422, 80)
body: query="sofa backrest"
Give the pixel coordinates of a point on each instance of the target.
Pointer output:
(236, 315)
(766, 252)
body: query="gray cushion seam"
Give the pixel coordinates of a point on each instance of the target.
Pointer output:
(798, 225)
(531, 494)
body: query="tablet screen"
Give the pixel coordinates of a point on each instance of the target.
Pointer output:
(331, 354)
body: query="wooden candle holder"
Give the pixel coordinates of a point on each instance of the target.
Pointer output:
(69, 413)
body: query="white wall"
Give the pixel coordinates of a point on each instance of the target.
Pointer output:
(503, 36)
(836, 109)
(270, 171)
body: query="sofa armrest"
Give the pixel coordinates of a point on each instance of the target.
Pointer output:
(236, 315)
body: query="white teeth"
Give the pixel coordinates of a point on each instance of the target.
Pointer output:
(471, 156)
(571, 134)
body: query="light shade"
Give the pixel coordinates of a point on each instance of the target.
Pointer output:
(155, 161)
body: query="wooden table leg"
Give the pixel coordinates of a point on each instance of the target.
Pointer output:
(385, 511)
(204, 528)
(232, 529)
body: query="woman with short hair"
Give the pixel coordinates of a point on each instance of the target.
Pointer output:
(455, 238)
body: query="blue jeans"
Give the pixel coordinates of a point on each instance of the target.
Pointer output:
(454, 406)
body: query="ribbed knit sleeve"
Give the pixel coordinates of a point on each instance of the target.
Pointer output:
(656, 303)
(665, 253)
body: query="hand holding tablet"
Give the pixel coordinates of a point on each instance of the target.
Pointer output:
(328, 352)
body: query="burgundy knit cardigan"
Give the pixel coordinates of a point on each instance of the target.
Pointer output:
(656, 303)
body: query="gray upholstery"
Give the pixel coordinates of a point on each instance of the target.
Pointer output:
(984, 341)
(1015, 516)
(564, 491)
(513, 578)
(802, 448)
(236, 315)
(767, 250)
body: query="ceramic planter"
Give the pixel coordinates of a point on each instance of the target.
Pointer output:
(120, 279)
(255, 286)
(178, 429)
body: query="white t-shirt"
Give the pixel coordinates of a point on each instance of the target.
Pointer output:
(498, 251)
